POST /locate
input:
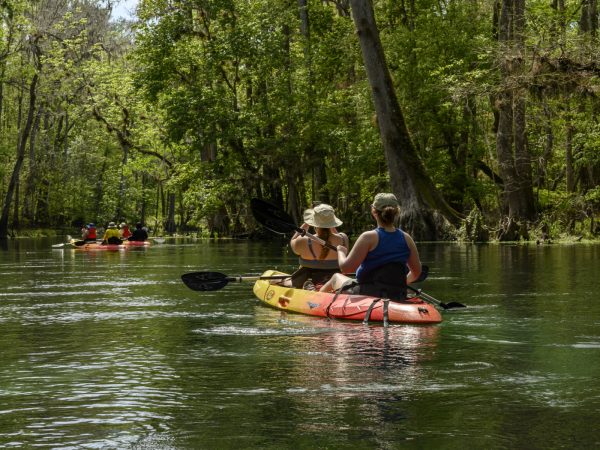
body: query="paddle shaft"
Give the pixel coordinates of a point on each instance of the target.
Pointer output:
(317, 239)
(434, 300)
(213, 281)
(241, 279)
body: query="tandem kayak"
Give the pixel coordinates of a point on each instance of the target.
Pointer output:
(96, 246)
(412, 310)
(137, 243)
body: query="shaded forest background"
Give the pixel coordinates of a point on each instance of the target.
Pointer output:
(482, 116)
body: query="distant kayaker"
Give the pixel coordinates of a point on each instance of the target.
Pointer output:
(124, 231)
(385, 259)
(111, 235)
(139, 234)
(317, 262)
(88, 233)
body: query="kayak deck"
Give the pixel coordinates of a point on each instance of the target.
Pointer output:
(94, 246)
(412, 310)
(137, 243)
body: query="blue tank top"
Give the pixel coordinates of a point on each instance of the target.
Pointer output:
(392, 247)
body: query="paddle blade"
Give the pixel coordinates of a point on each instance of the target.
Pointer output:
(272, 217)
(452, 305)
(205, 281)
(59, 245)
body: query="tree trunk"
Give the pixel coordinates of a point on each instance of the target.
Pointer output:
(32, 177)
(511, 145)
(526, 205)
(20, 157)
(315, 158)
(569, 168)
(170, 223)
(588, 21)
(418, 197)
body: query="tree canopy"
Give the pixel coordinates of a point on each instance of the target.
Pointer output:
(482, 117)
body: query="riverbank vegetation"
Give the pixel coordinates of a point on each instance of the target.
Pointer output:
(481, 116)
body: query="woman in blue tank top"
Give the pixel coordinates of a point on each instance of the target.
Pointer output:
(385, 258)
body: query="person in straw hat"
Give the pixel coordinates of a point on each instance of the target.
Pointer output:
(317, 262)
(111, 235)
(385, 259)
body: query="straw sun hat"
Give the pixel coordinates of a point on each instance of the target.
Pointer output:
(322, 216)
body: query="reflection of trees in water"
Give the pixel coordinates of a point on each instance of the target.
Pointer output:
(375, 350)
(349, 373)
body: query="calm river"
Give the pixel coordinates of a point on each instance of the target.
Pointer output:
(111, 350)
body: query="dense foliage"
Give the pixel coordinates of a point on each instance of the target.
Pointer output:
(182, 116)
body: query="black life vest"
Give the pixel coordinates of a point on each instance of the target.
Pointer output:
(387, 281)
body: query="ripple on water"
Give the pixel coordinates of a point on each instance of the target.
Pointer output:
(472, 366)
(492, 341)
(586, 345)
(238, 330)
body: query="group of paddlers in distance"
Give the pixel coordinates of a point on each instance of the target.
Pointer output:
(113, 235)
(385, 259)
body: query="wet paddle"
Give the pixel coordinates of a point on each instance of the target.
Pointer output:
(213, 281)
(428, 298)
(435, 301)
(278, 221)
(71, 242)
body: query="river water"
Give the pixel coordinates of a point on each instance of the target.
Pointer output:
(111, 350)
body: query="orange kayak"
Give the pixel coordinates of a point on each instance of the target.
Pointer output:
(136, 243)
(95, 246)
(413, 310)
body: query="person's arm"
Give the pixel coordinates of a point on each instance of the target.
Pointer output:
(298, 241)
(349, 262)
(414, 262)
(345, 238)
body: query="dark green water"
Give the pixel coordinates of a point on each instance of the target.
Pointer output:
(111, 350)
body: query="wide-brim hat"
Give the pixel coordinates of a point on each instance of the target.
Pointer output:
(112, 225)
(322, 216)
(384, 200)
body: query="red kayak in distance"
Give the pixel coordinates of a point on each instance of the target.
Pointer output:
(97, 246)
(137, 243)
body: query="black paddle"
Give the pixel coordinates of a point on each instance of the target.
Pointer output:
(429, 298)
(278, 221)
(213, 281)
(435, 301)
